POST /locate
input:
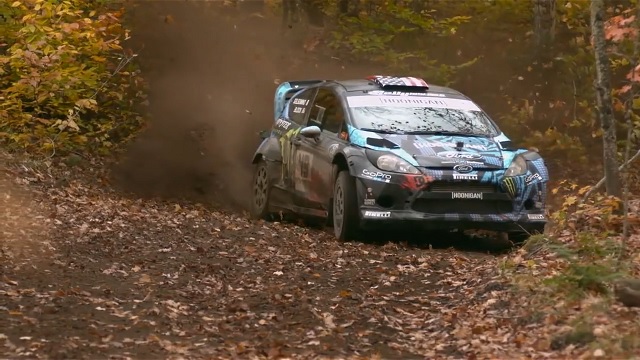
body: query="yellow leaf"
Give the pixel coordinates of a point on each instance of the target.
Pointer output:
(571, 200)
(584, 190)
(16, 4)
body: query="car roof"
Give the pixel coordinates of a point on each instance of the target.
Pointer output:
(361, 85)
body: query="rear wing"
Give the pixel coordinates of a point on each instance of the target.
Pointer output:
(286, 90)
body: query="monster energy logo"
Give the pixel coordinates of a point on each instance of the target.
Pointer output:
(509, 184)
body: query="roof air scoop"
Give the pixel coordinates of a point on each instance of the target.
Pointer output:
(407, 83)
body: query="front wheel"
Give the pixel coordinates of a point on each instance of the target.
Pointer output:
(260, 191)
(345, 207)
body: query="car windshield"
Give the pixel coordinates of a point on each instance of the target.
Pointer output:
(419, 115)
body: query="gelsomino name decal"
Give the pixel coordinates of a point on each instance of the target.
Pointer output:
(464, 195)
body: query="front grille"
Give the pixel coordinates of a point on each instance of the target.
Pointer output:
(462, 206)
(446, 186)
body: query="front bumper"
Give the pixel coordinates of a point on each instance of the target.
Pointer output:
(372, 218)
(417, 200)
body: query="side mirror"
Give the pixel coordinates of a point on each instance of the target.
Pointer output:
(311, 132)
(264, 134)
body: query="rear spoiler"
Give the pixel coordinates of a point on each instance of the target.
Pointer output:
(286, 90)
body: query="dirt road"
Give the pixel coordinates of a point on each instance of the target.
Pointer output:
(89, 273)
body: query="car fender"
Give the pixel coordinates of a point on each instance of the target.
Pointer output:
(535, 165)
(353, 158)
(269, 150)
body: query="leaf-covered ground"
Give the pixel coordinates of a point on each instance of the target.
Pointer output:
(88, 273)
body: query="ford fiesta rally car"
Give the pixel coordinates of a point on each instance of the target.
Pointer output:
(394, 150)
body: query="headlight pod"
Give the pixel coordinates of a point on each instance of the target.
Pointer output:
(518, 167)
(396, 164)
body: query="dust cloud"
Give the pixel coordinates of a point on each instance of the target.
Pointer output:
(212, 77)
(24, 224)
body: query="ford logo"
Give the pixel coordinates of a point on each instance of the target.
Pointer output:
(463, 168)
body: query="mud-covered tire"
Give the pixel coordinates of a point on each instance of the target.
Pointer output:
(260, 192)
(346, 219)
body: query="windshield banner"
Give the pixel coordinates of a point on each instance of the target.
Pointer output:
(411, 101)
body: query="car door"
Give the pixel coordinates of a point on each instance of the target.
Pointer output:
(313, 156)
(288, 125)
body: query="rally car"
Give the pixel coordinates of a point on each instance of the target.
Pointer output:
(388, 150)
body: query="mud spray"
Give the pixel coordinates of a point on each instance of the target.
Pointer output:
(212, 76)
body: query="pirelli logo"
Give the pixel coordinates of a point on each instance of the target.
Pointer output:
(509, 184)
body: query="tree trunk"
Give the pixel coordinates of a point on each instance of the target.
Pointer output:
(544, 19)
(288, 13)
(605, 105)
(314, 11)
(343, 7)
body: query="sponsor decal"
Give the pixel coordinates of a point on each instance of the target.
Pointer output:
(376, 175)
(402, 93)
(303, 165)
(463, 168)
(416, 182)
(465, 195)
(377, 214)
(465, 177)
(333, 149)
(462, 161)
(287, 152)
(369, 199)
(422, 145)
(509, 184)
(283, 124)
(412, 101)
(535, 216)
(459, 155)
(531, 178)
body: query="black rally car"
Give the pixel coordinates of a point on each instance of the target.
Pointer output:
(393, 150)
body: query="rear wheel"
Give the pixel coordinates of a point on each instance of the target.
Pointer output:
(345, 207)
(260, 191)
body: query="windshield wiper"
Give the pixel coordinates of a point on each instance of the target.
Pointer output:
(453, 133)
(379, 131)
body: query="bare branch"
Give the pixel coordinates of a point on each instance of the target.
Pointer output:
(601, 182)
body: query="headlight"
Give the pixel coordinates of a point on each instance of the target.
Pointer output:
(518, 167)
(395, 164)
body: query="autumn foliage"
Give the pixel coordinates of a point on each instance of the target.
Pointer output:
(68, 83)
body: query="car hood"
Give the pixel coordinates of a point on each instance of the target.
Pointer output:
(436, 151)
